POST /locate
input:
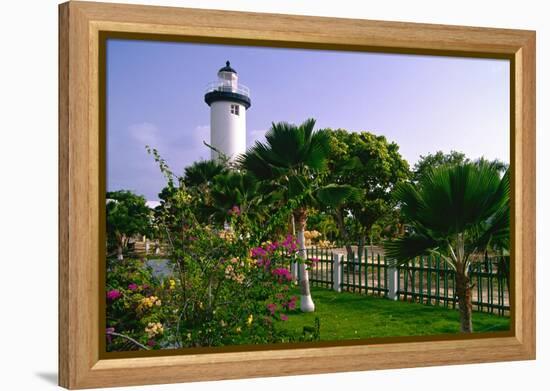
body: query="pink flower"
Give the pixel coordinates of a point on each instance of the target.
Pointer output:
(235, 210)
(133, 287)
(271, 308)
(151, 343)
(282, 273)
(258, 252)
(290, 243)
(272, 247)
(314, 260)
(292, 303)
(284, 317)
(113, 294)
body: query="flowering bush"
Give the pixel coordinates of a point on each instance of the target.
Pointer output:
(225, 291)
(134, 304)
(229, 285)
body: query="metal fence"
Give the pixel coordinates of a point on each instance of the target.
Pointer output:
(427, 280)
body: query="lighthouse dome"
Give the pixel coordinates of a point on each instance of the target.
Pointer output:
(227, 68)
(227, 88)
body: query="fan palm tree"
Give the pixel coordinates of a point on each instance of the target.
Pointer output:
(199, 180)
(202, 172)
(237, 188)
(454, 212)
(291, 161)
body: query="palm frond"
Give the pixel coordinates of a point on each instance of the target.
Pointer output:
(334, 195)
(406, 248)
(202, 172)
(452, 199)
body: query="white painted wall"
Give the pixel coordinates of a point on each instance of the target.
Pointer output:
(227, 130)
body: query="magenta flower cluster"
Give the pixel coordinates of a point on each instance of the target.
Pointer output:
(282, 274)
(271, 307)
(234, 211)
(113, 294)
(290, 244)
(291, 304)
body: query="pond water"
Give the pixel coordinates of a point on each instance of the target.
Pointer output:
(161, 267)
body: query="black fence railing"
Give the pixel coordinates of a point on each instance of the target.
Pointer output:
(427, 280)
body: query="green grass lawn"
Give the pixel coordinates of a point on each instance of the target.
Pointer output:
(354, 316)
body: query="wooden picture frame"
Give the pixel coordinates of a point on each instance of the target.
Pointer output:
(81, 25)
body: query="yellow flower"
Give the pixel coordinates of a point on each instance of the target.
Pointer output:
(222, 323)
(238, 329)
(153, 329)
(172, 284)
(250, 319)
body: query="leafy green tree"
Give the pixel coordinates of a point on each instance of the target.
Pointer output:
(372, 165)
(426, 163)
(127, 215)
(292, 162)
(455, 212)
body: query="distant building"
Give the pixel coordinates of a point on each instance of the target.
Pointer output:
(228, 101)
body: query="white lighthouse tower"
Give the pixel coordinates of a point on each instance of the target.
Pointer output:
(228, 101)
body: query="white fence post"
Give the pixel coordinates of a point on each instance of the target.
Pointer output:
(393, 279)
(336, 271)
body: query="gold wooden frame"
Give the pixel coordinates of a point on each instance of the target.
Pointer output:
(80, 167)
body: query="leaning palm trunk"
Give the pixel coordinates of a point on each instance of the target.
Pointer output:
(293, 265)
(122, 240)
(343, 233)
(306, 303)
(464, 293)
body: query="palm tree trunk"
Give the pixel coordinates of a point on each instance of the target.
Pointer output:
(306, 303)
(119, 255)
(464, 293)
(121, 239)
(293, 265)
(343, 233)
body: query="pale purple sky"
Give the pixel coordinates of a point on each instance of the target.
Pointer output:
(155, 96)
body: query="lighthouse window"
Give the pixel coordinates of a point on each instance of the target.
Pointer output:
(235, 109)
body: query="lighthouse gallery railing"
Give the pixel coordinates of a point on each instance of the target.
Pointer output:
(227, 87)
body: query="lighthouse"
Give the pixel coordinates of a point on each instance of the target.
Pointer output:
(228, 101)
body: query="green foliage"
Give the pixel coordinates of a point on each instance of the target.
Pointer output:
(455, 210)
(135, 299)
(290, 162)
(225, 229)
(432, 161)
(202, 173)
(288, 148)
(127, 215)
(372, 166)
(226, 287)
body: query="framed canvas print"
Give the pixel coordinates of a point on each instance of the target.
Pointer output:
(241, 193)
